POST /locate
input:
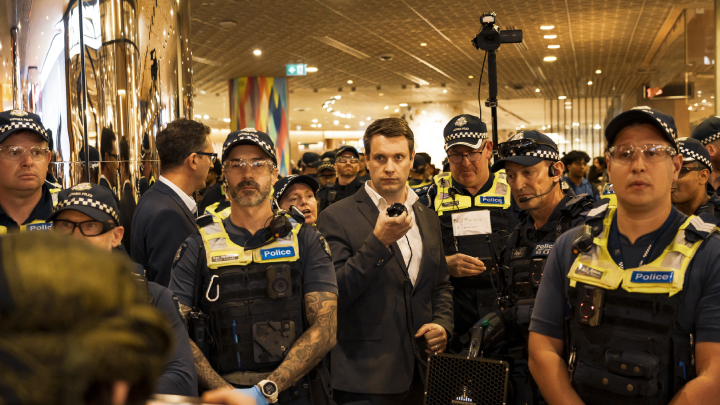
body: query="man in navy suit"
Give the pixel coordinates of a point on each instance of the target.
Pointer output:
(165, 215)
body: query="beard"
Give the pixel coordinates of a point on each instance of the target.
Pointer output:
(249, 198)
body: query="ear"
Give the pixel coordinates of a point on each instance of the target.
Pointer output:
(703, 176)
(608, 167)
(118, 233)
(489, 146)
(274, 176)
(677, 161)
(711, 149)
(559, 169)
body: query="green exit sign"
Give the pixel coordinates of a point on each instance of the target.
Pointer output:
(295, 70)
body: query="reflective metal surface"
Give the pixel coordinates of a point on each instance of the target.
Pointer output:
(137, 77)
(17, 83)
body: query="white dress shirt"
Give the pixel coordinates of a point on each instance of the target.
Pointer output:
(411, 244)
(191, 204)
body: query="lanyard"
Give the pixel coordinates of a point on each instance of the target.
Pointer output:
(617, 251)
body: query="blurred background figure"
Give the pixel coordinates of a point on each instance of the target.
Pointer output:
(575, 163)
(74, 326)
(94, 157)
(597, 174)
(326, 171)
(309, 164)
(363, 174)
(418, 177)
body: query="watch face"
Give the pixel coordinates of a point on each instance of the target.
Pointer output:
(269, 388)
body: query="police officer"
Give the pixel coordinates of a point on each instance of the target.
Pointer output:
(534, 173)
(326, 172)
(689, 193)
(476, 213)
(299, 192)
(88, 212)
(418, 178)
(347, 164)
(627, 309)
(26, 199)
(708, 133)
(266, 281)
(309, 163)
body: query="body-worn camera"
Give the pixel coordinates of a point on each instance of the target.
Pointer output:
(279, 282)
(491, 37)
(396, 209)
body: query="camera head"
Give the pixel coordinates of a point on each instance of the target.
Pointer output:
(491, 37)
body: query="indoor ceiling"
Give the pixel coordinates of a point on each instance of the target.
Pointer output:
(429, 41)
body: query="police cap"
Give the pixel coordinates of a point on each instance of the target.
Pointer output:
(91, 199)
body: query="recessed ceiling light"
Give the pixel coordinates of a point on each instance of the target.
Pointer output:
(444, 90)
(311, 69)
(197, 116)
(550, 58)
(397, 109)
(568, 107)
(319, 125)
(338, 97)
(347, 126)
(423, 44)
(350, 82)
(470, 77)
(315, 120)
(386, 107)
(537, 90)
(424, 112)
(590, 83)
(598, 71)
(362, 123)
(562, 97)
(522, 126)
(690, 108)
(547, 27)
(257, 52)
(568, 103)
(313, 125)
(336, 122)
(549, 36)
(369, 118)
(205, 117)
(226, 119)
(405, 104)
(553, 46)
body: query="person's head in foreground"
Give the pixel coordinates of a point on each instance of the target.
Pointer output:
(298, 191)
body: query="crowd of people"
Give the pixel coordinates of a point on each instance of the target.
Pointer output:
(334, 284)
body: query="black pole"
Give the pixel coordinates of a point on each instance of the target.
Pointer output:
(83, 88)
(492, 99)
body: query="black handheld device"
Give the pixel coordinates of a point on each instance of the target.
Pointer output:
(396, 209)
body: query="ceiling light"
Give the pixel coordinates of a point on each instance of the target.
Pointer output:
(338, 97)
(597, 126)
(424, 112)
(313, 125)
(537, 90)
(336, 122)
(470, 77)
(397, 109)
(226, 119)
(315, 120)
(547, 27)
(257, 52)
(444, 90)
(347, 126)
(704, 101)
(405, 104)
(568, 103)
(597, 72)
(386, 107)
(690, 108)
(350, 82)
(522, 126)
(696, 105)
(543, 127)
(577, 139)
(568, 107)
(553, 46)
(369, 118)
(423, 44)
(362, 123)
(549, 58)
(549, 36)
(319, 125)
(380, 94)
(562, 97)
(311, 69)
(590, 83)
(197, 116)
(206, 116)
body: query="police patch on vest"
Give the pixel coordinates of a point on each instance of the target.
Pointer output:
(492, 200)
(583, 270)
(542, 249)
(225, 258)
(652, 277)
(501, 188)
(277, 253)
(38, 227)
(518, 253)
(451, 203)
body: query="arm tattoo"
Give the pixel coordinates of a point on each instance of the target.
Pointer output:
(208, 378)
(311, 346)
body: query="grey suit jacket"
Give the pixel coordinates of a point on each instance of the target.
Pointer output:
(374, 353)
(160, 225)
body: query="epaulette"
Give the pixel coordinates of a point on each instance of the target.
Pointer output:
(702, 226)
(422, 190)
(204, 220)
(715, 199)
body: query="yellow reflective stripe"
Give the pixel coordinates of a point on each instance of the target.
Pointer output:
(279, 245)
(212, 210)
(462, 201)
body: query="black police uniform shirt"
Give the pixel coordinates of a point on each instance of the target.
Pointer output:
(211, 195)
(700, 304)
(43, 209)
(711, 207)
(342, 192)
(318, 270)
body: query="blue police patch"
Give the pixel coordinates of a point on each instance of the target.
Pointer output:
(542, 249)
(652, 277)
(492, 200)
(277, 253)
(38, 227)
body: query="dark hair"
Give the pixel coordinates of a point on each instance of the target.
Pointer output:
(181, 138)
(217, 168)
(601, 160)
(389, 128)
(428, 159)
(107, 139)
(125, 153)
(574, 156)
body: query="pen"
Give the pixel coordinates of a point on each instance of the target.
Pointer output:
(236, 349)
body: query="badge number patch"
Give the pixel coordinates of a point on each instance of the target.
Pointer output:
(588, 272)
(542, 249)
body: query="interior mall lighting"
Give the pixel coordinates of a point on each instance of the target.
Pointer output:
(350, 82)
(444, 90)
(568, 103)
(550, 59)
(319, 125)
(547, 27)
(347, 126)
(549, 36)
(380, 94)
(423, 44)
(562, 97)
(522, 126)
(568, 107)
(369, 118)
(397, 110)
(597, 72)
(537, 90)
(257, 52)
(362, 124)
(206, 116)
(336, 122)
(690, 108)
(311, 69)
(405, 104)
(590, 83)
(470, 77)
(315, 120)
(553, 46)
(313, 125)
(543, 127)
(338, 97)
(597, 126)
(423, 112)
(386, 107)
(704, 101)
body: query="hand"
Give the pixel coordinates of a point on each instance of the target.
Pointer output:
(228, 396)
(460, 265)
(390, 229)
(435, 337)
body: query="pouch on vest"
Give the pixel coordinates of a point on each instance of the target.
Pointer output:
(272, 340)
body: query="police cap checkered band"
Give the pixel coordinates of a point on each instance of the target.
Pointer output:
(665, 124)
(17, 121)
(250, 136)
(543, 154)
(708, 131)
(282, 184)
(465, 130)
(87, 202)
(692, 149)
(326, 164)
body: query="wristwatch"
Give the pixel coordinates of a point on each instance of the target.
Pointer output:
(270, 390)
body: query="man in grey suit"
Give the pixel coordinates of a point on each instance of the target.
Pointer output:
(395, 298)
(165, 215)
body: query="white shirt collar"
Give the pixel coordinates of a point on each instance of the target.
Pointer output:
(191, 204)
(380, 202)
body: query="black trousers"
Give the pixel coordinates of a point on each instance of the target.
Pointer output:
(415, 395)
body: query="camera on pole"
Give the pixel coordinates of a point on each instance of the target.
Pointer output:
(489, 40)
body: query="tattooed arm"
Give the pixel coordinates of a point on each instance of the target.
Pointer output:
(208, 378)
(311, 346)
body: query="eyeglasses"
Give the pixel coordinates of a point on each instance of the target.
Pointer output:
(651, 153)
(521, 147)
(213, 156)
(687, 169)
(87, 228)
(326, 176)
(15, 153)
(239, 165)
(345, 159)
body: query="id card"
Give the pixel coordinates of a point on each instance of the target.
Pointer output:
(471, 223)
